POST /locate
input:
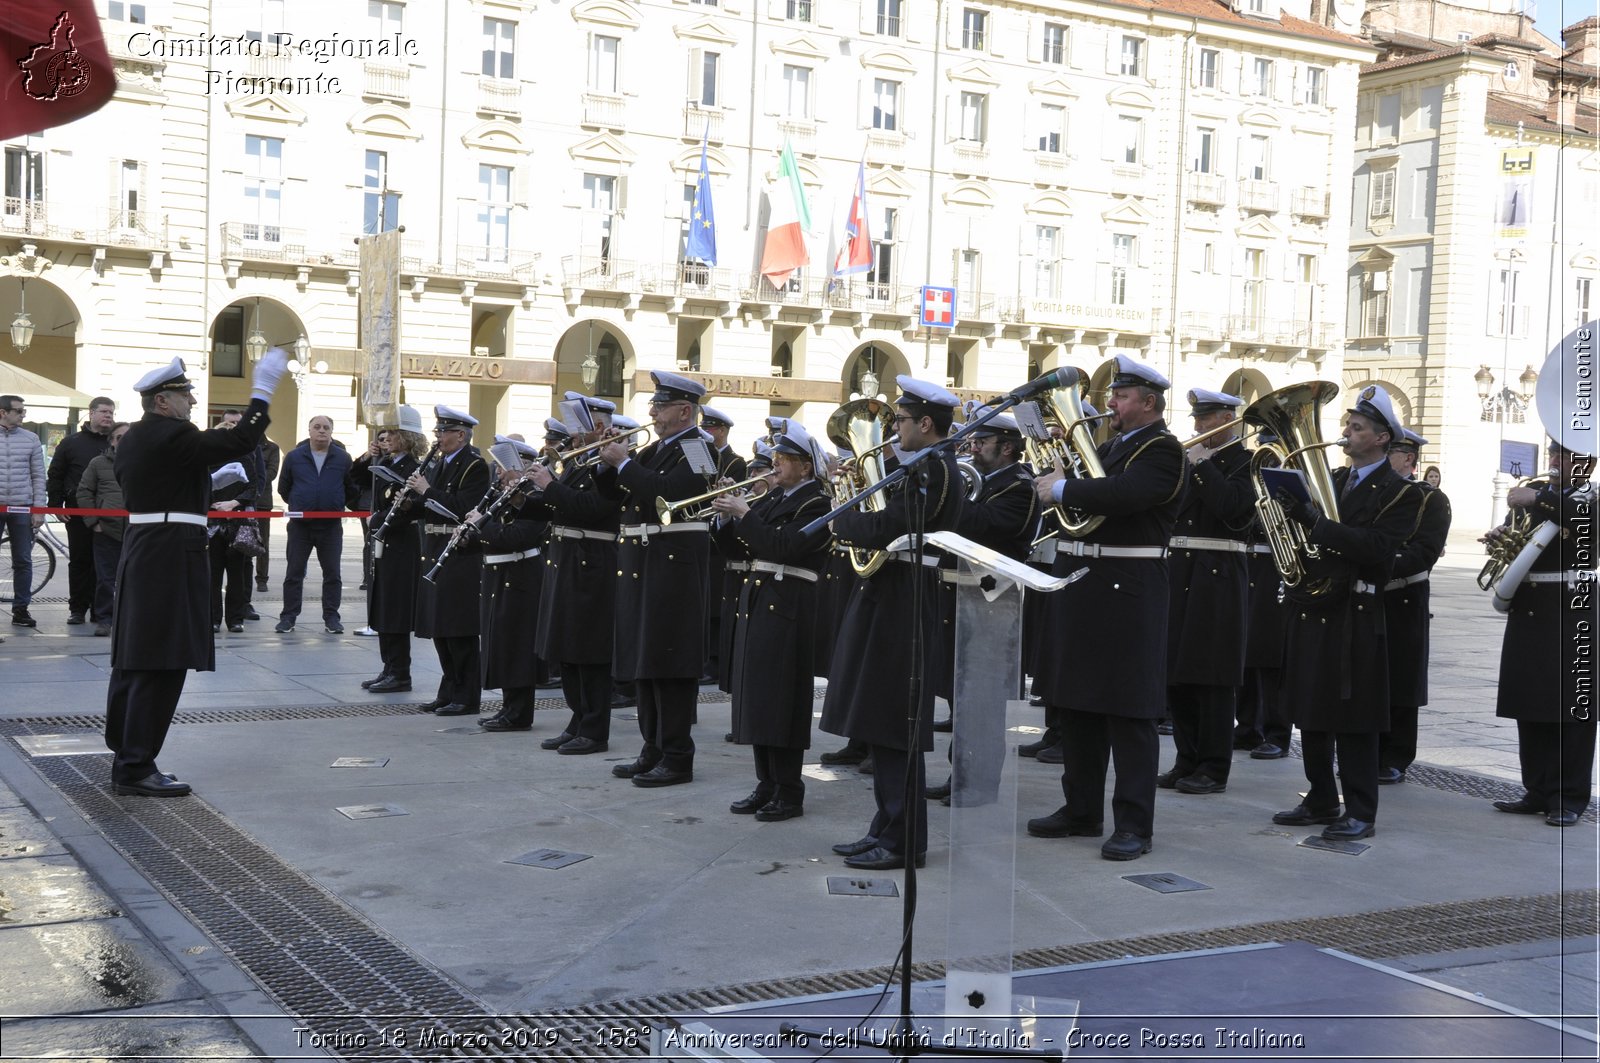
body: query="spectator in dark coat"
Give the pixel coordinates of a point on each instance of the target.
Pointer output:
(98, 489)
(313, 480)
(72, 456)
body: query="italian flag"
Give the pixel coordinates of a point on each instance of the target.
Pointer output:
(788, 220)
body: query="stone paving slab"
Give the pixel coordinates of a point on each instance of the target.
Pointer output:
(22, 834)
(49, 889)
(82, 966)
(190, 1030)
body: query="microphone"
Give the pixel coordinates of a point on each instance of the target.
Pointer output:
(1063, 377)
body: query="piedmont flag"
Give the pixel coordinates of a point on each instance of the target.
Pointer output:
(702, 245)
(788, 220)
(54, 66)
(855, 255)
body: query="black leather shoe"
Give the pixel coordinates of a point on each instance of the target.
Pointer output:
(1390, 776)
(1125, 846)
(1522, 806)
(866, 767)
(773, 811)
(749, 806)
(455, 708)
(881, 859)
(499, 723)
(581, 746)
(251, 614)
(628, 771)
(622, 701)
(1561, 817)
(215, 628)
(153, 785)
(1059, 824)
(857, 847)
(1053, 755)
(847, 755)
(74, 619)
(1033, 749)
(1301, 816)
(333, 627)
(661, 775)
(1268, 751)
(1200, 784)
(1036, 701)
(558, 741)
(1168, 780)
(1246, 741)
(1348, 829)
(940, 792)
(944, 726)
(391, 684)
(283, 627)
(236, 628)
(436, 703)
(728, 736)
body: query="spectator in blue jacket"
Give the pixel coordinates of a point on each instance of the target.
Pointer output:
(312, 479)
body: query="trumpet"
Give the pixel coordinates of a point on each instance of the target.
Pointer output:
(754, 487)
(588, 448)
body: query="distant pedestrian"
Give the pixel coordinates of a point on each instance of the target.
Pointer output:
(271, 455)
(71, 458)
(22, 483)
(98, 489)
(1431, 477)
(313, 479)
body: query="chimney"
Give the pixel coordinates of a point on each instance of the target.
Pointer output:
(1562, 106)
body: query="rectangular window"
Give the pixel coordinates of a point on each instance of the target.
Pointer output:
(380, 207)
(118, 11)
(1255, 271)
(1130, 139)
(387, 18)
(1205, 151)
(704, 3)
(1423, 188)
(1208, 257)
(880, 278)
(974, 116)
(1417, 300)
(494, 211)
(889, 17)
(705, 78)
(499, 48)
(1509, 315)
(1257, 157)
(1375, 304)
(1389, 116)
(1256, 7)
(227, 343)
(600, 204)
(974, 29)
(1380, 195)
(128, 195)
(1046, 260)
(1261, 82)
(1430, 103)
(1055, 43)
(1210, 65)
(968, 276)
(1306, 269)
(797, 91)
(799, 10)
(1122, 260)
(1582, 301)
(263, 189)
(603, 63)
(885, 104)
(1052, 128)
(1316, 86)
(1132, 57)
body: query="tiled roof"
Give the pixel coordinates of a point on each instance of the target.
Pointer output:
(1508, 112)
(1216, 11)
(1413, 60)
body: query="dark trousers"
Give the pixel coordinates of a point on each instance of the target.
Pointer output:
(778, 773)
(1358, 770)
(366, 554)
(517, 704)
(1557, 762)
(262, 562)
(18, 527)
(889, 768)
(235, 568)
(1202, 728)
(1088, 741)
(1397, 747)
(461, 682)
(80, 566)
(587, 688)
(107, 554)
(394, 649)
(327, 538)
(140, 703)
(1263, 716)
(666, 712)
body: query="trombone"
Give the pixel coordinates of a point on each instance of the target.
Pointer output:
(665, 511)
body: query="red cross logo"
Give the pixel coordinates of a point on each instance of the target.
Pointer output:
(937, 307)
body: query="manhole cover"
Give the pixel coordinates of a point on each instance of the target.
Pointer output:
(553, 859)
(1163, 882)
(843, 886)
(371, 811)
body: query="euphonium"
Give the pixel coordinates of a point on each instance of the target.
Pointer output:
(864, 427)
(1075, 450)
(1514, 539)
(1291, 414)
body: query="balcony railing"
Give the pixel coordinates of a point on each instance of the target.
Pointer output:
(1207, 188)
(801, 133)
(273, 62)
(1310, 202)
(886, 147)
(499, 96)
(970, 157)
(603, 111)
(1258, 195)
(386, 82)
(1279, 332)
(253, 242)
(508, 263)
(135, 228)
(976, 306)
(803, 289)
(600, 273)
(1201, 325)
(701, 121)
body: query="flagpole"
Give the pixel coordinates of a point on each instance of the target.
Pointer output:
(933, 160)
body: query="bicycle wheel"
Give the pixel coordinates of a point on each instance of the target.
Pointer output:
(44, 566)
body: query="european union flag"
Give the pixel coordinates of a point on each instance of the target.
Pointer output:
(702, 245)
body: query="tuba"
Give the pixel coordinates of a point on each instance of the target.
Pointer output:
(864, 427)
(1075, 449)
(1291, 413)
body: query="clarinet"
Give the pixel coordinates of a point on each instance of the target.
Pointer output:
(465, 528)
(402, 498)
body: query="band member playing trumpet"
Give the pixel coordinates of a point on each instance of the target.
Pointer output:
(580, 590)
(866, 697)
(722, 592)
(1117, 616)
(1546, 660)
(1206, 613)
(392, 597)
(660, 621)
(513, 573)
(447, 609)
(771, 664)
(1406, 614)
(1336, 669)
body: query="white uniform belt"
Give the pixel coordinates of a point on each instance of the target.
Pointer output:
(1101, 550)
(377, 549)
(644, 531)
(1570, 575)
(1406, 581)
(1045, 553)
(438, 529)
(506, 559)
(1200, 542)
(960, 579)
(736, 566)
(1261, 548)
(906, 555)
(559, 532)
(781, 572)
(167, 518)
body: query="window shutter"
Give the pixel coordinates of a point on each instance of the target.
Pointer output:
(1035, 39)
(696, 60)
(1110, 146)
(912, 28)
(864, 103)
(952, 118)
(954, 23)
(992, 34)
(1113, 52)
(778, 10)
(869, 17)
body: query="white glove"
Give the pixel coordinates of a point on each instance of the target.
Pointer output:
(268, 372)
(230, 474)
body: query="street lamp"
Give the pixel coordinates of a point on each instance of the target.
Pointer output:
(1526, 383)
(256, 345)
(22, 326)
(589, 371)
(1485, 381)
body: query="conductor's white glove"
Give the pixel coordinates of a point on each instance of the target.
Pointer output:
(230, 474)
(268, 372)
